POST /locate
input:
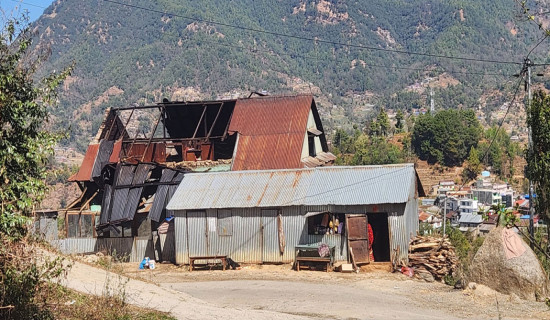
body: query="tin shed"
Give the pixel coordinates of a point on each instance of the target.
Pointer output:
(261, 216)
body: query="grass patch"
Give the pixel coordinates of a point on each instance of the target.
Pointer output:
(64, 303)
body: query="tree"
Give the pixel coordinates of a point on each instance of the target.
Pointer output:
(538, 158)
(25, 143)
(473, 167)
(375, 151)
(446, 137)
(384, 122)
(399, 121)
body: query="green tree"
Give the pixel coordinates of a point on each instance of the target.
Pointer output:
(446, 137)
(384, 122)
(375, 151)
(473, 167)
(25, 143)
(399, 121)
(538, 159)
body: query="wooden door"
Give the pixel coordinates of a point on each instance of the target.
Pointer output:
(358, 238)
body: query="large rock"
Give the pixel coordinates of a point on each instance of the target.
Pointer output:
(522, 275)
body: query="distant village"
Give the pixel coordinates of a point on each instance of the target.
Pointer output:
(474, 209)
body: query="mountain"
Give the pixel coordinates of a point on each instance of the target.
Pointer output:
(139, 51)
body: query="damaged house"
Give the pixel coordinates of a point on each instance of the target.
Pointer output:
(140, 155)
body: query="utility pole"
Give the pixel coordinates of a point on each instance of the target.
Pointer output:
(527, 67)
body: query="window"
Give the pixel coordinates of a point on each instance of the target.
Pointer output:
(326, 223)
(225, 223)
(80, 224)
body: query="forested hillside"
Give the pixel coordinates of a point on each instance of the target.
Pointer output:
(139, 51)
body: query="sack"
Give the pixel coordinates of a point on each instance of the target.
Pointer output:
(324, 250)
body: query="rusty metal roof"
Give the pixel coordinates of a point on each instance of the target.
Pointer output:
(85, 171)
(271, 131)
(360, 185)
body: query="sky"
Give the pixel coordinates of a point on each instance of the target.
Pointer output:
(14, 7)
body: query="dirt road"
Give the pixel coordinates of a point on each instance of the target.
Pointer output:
(314, 294)
(92, 280)
(277, 292)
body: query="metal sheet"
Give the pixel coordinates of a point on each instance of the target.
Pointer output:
(167, 245)
(266, 152)
(272, 131)
(160, 196)
(124, 248)
(246, 239)
(270, 237)
(225, 222)
(142, 248)
(197, 233)
(359, 185)
(48, 227)
(124, 176)
(103, 155)
(180, 230)
(134, 195)
(115, 155)
(399, 237)
(85, 171)
(105, 204)
(247, 243)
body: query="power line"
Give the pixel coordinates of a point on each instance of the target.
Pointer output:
(29, 4)
(253, 50)
(304, 56)
(512, 102)
(358, 46)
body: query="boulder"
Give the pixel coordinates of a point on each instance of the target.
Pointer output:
(522, 275)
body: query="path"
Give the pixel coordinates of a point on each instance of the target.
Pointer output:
(96, 281)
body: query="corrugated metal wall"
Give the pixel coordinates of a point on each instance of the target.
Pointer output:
(167, 246)
(180, 235)
(253, 237)
(248, 242)
(133, 249)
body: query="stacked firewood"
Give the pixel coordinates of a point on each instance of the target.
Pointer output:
(434, 255)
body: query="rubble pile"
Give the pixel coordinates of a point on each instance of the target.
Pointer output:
(191, 165)
(432, 255)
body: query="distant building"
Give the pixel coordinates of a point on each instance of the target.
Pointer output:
(467, 206)
(469, 222)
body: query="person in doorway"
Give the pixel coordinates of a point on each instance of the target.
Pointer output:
(371, 241)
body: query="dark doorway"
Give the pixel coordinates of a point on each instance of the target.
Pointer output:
(381, 244)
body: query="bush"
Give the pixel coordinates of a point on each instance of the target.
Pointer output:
(24, 274)
(466, 246)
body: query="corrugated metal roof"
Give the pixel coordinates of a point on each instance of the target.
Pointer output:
(271, 131)
(470, 218)
(85, 171)
(316, 186)
(276, 151)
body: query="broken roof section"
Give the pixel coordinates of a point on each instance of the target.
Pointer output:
(140, 153)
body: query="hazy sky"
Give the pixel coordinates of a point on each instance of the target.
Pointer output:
(14, 7)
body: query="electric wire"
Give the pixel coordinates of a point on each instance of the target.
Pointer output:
(253, 50)
(304, 38)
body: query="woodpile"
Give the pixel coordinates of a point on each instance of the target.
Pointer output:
(434, 255)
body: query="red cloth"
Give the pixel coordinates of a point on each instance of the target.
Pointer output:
(371, 240)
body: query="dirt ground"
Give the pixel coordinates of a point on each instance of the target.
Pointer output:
(375, 294)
